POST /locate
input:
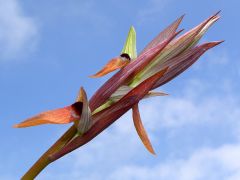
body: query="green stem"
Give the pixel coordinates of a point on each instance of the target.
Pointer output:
(102, 107)
(44, 160)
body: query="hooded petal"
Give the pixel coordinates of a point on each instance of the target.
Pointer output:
(86, 117)
(58, 116)
(130, 46)
(140, 129)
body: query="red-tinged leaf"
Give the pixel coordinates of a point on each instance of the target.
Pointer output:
(173, 49)
(140, 129)
(209, 23)
(179, 64)
(165, 34)
(105, 118)
(86, 116)
(190, 38)
(58, 116)
(111, 66)
(126, 73)
(179, 59)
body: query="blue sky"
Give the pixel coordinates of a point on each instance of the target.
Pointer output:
(47, 51)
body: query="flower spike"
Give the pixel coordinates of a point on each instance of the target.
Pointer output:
(161, 60)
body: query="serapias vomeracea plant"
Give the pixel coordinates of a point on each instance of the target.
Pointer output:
(165, 57)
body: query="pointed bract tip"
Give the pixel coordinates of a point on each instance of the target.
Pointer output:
(82, 91)
(215, 43)
(179, 20)
(219, 42)
(153, 153)
(79, 96)
(217, 13)
(178, 32)
(15, 126)
(132, 28)
(165, 94)
(212, 44)
(216, 16)
(181, 17)
(94, 76)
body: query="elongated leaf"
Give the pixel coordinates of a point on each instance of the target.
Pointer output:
(181, 63)
(176, 47)
(86, 117)
(194, 34)
(130, 46)
(165, 34)
(105, 118)
(58, 116)
(111, 66)
(125, 74)
(140, 129)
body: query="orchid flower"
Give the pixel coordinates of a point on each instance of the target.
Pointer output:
(165, 57)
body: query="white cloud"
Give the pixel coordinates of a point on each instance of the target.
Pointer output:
(206, 163)
(175, 112)
(17, 31)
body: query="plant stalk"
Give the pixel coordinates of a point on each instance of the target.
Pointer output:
(44, 160)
